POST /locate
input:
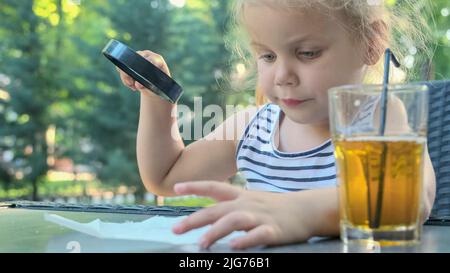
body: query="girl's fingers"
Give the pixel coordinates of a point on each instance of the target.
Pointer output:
(231, 222)
(202, 217)
(138, 86)
(127, 80)
(213, 189)
(259, 236)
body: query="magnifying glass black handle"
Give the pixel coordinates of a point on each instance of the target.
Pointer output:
(142, 71)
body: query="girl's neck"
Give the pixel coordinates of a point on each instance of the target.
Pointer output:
(296, 137)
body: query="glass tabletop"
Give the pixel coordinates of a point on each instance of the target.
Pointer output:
(24, 229)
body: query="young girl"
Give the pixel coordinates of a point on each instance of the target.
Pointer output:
(301, 48)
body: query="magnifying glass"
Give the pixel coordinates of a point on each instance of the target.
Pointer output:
(142, 71)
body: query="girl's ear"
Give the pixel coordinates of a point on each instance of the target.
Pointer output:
(377, 38)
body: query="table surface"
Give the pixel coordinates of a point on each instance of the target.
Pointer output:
(23, 229)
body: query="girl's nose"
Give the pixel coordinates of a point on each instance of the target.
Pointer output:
(286, 76)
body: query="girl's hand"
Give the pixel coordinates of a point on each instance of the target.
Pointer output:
(150, 56)
(268, 218)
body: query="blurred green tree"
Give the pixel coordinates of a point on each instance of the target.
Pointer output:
(34, 86)
(440, 22)
(113, 121)
(52, 75)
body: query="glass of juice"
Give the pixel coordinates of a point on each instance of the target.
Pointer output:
(380, 171)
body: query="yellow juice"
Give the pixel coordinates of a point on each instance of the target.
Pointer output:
(380, 181)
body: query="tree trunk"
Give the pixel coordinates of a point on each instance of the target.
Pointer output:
(140, 194)
(34, 184)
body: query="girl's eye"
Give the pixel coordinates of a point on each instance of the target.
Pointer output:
(268, 57)
(309, 54)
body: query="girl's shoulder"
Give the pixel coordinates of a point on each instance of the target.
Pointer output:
(268, 111)
(245, 117)
(234, 126)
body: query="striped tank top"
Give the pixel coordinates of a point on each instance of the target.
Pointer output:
(267, 169)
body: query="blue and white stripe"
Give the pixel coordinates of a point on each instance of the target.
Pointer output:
(268, 169)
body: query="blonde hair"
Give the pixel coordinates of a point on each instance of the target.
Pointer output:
(399, 25)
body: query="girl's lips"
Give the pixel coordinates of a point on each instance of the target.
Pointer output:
(292, 102)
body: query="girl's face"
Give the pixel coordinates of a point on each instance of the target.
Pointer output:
(300, 55)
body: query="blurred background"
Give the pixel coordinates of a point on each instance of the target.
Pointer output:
(67, 124)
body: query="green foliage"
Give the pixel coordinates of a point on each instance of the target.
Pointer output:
(51, 56)
(53, 72)
(118, 169)
(25, 62)
(441, 25)
(190, 202)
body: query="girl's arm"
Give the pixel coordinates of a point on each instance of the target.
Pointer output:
(269, 218)
(163, 159)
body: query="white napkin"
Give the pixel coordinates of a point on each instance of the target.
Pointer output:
(156, 228)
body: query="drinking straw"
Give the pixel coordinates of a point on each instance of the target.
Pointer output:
(384, 98)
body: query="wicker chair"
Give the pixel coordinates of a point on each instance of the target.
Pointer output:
(439, 144)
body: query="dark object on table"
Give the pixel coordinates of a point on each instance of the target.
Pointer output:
(142, 71)
(105, 208)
